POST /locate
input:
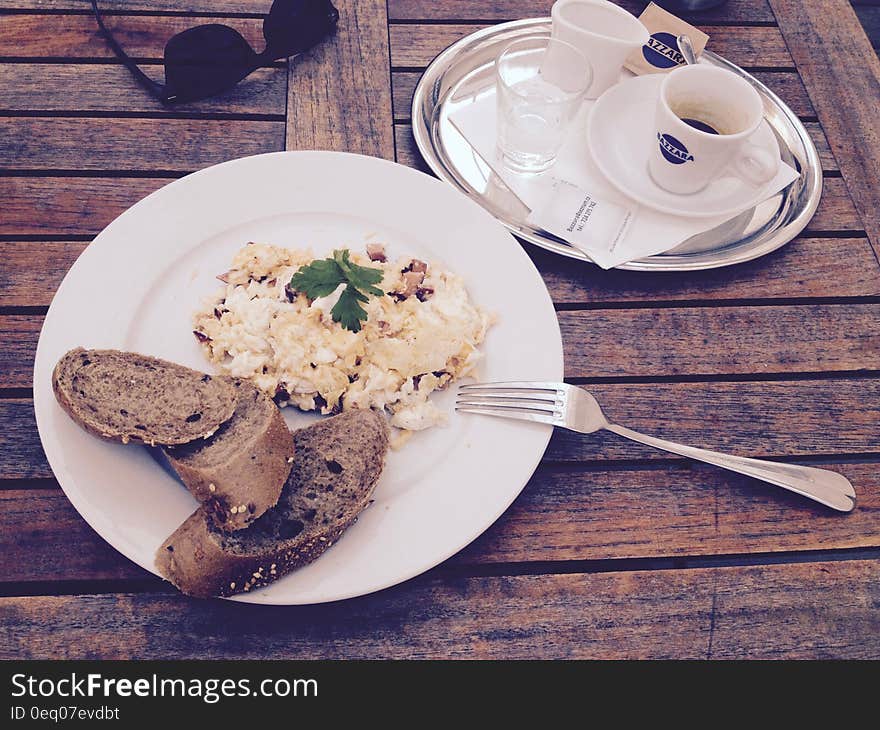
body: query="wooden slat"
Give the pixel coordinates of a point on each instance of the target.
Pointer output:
(19, 334)
(32, 272)
(648, 513)
(21, 453)
(836, 211)
(59, 206)
(416, 45)
(789, 87)
(826, 157)
(646, 342)
(785, 617)
(339, 93)
(792, 418)
(804, 610)
(763, 419)
(497, 10)
(845, 92)
(178, 145)
(407, 152)
(561, 515)
(78, 36)
(728, 340)
(111, 88)
(786, 84)
(807, 267)
(51, 542)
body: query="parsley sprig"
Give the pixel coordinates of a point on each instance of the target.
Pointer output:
(322, 277)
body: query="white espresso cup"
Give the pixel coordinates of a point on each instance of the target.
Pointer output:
(605, 33)
(705, 117)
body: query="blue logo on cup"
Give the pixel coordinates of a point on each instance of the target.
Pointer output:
(661, 51)
(673, 150)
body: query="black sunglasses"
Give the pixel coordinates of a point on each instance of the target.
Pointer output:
(207, 59)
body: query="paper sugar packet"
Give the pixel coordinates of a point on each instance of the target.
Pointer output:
(660, 54)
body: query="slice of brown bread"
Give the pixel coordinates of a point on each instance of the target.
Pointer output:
(338, 461)
(124, 396)
(238, 473)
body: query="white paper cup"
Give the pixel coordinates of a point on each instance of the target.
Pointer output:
(727, 110)
(605, 33)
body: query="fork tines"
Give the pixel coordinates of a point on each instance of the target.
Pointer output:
(511, 385)
(524, 400)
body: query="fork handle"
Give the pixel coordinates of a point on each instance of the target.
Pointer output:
(826, 487)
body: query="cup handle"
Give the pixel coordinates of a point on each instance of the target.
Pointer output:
(756, 164)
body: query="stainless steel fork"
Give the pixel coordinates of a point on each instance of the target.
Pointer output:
(568, 406)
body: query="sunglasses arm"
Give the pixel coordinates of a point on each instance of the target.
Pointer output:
(155, 88)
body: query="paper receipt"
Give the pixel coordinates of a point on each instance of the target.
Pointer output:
(574, 214)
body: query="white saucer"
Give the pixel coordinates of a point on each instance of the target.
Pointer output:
(620, 134)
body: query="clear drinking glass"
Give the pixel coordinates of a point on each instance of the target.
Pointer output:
(541, 83)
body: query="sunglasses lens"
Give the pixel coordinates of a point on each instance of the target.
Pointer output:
(294, 26)
(206, 60)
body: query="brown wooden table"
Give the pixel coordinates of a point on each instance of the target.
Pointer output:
(613, 550)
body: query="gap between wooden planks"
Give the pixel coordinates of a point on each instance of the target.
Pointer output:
(815, 610)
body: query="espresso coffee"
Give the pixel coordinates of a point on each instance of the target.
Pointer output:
(702, 126)
(702, 116)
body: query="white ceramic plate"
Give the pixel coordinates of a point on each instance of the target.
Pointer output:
(620, 134)
(137, 284)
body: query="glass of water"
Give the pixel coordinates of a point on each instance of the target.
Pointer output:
(541, 83)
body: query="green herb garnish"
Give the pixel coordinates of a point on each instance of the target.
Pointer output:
(322, 277)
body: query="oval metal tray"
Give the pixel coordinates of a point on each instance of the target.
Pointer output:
(464, 72)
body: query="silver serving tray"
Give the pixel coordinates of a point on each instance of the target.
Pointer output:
(464, 72)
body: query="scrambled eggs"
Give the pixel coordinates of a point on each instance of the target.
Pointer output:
(419, 336)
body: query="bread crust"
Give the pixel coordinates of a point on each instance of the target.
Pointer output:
(197, 564)
(250, 482)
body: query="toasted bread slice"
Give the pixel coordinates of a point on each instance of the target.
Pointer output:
(124, 396)
(338, 461)
(238, 473)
